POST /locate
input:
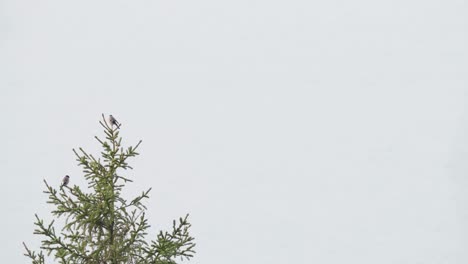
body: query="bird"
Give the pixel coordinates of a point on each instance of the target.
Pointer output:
(114, 121)
(65, 180)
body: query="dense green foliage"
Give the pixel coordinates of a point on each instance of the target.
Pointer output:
(100, 226)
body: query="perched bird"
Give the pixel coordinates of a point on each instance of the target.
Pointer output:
(114, 121)
(65, 180)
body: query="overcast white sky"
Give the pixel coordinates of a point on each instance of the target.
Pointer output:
(306, 132)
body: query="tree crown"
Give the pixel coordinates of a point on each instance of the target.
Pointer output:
(100, 226)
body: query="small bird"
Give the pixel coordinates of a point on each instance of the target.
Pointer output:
(65, 180)
(114, 121)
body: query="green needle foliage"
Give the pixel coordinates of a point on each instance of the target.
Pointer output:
(100, 226)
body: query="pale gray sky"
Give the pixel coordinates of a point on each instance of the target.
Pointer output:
(292, 131)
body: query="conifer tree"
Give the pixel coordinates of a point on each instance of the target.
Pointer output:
(99, 226)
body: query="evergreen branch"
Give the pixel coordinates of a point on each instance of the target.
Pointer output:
(54, 243)
(36, 258)
(172, 245)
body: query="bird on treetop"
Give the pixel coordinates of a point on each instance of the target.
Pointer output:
(114, 121)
